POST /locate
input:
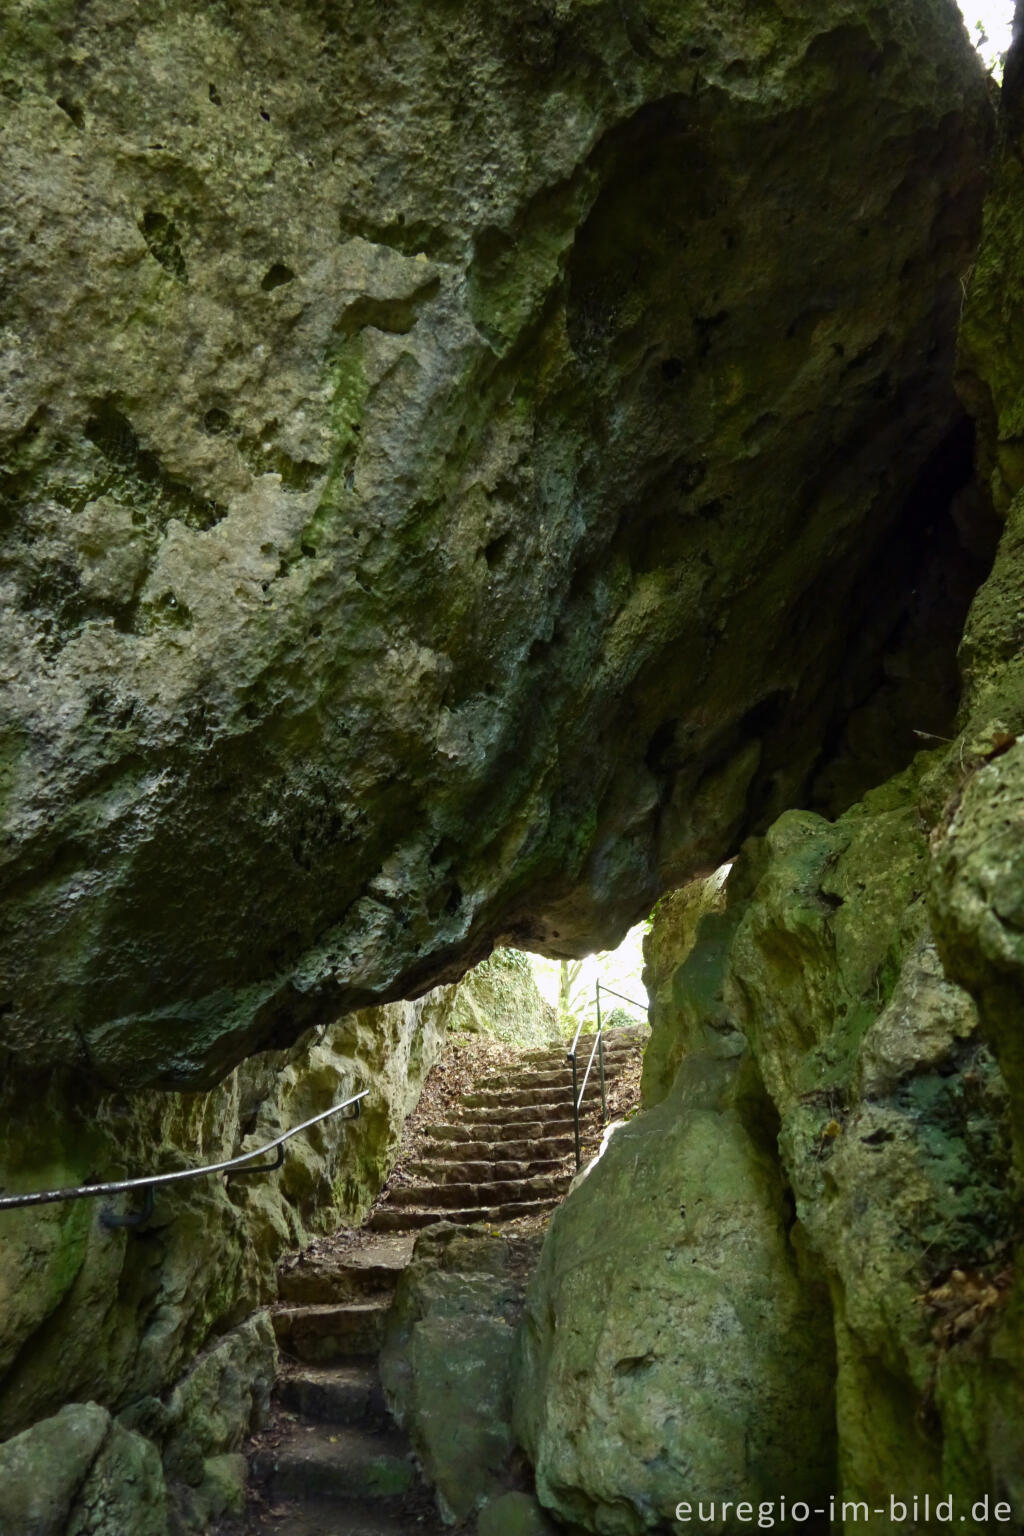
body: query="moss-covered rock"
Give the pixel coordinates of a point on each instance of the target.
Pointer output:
(161, 1325)
(499, 997)
(445, 453)
(682, 1000)
(672, 1349)
(447, 1362)
(864, 1087)
(978, 888)
(81, 1474)
(894, 1137)
(514, 1514)
(42, 1469)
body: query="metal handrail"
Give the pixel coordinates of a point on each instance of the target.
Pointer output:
(149, 1183)
(598, 1047)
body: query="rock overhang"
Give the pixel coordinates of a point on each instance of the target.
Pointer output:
(444, 474)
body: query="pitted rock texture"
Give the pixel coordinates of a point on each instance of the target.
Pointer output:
(895, 1137)
(977, 894)
(830, 1141)
(444, 454)
(671, 1348)
(92, 1312)
(81, 1474)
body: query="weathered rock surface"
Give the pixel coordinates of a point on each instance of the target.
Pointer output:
(81, 1474)
(672, 1350)
(864, 1146)
(977, 893)
(895, 1138)
(447, 1367)
(90, 1312)
(500, 997)
(514, 1514)
(444, 460)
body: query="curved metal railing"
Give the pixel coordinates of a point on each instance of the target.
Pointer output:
(598, 1048)
(152, 1181)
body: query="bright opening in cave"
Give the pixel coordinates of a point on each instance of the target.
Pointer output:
(989, 23)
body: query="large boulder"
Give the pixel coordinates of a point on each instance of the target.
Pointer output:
(445, 455)
(672, 1350)
(447, 1361)
(81, 1474)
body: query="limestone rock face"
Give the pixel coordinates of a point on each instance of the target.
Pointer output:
(429, 444)
(683, 997)
(894, 1135)
(42, 1469)
(500, 997)
(978, 889)
(163, 1327)
(81, 1474)
(866, 1091)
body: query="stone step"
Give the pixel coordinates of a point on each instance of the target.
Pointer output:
(523, 1114)
(491, 1130)
(614, 1040)
(408, 1218)
(338, 1394)
(524, 1079)
(510, 1114)
(336, 1282)
(545, 1147)
(482, 1172)
(560, 1069)
(317, 1334)
(506, 1192)
(556, 1078)
(340, 1463)
(542, 1098)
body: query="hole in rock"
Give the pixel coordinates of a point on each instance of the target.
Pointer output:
(276, 277)
(163, 238)
(72, 110)
(217, 422)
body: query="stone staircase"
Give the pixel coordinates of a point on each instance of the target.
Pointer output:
(332, 1460)
(507, 1153)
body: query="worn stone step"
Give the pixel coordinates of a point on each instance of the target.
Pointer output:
(355, 1275)
(409, 1218)
(338, 1284)
(542, 1098)
(499, 1192)
(560, 1078)
(336, 1462)
(543, 1077)
(497, 1130)
(545, 1147)
(482, 1172)
(521, 1114)
(560, 1071)
(317, 1334)
(614, 1040)
(333, 1394)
